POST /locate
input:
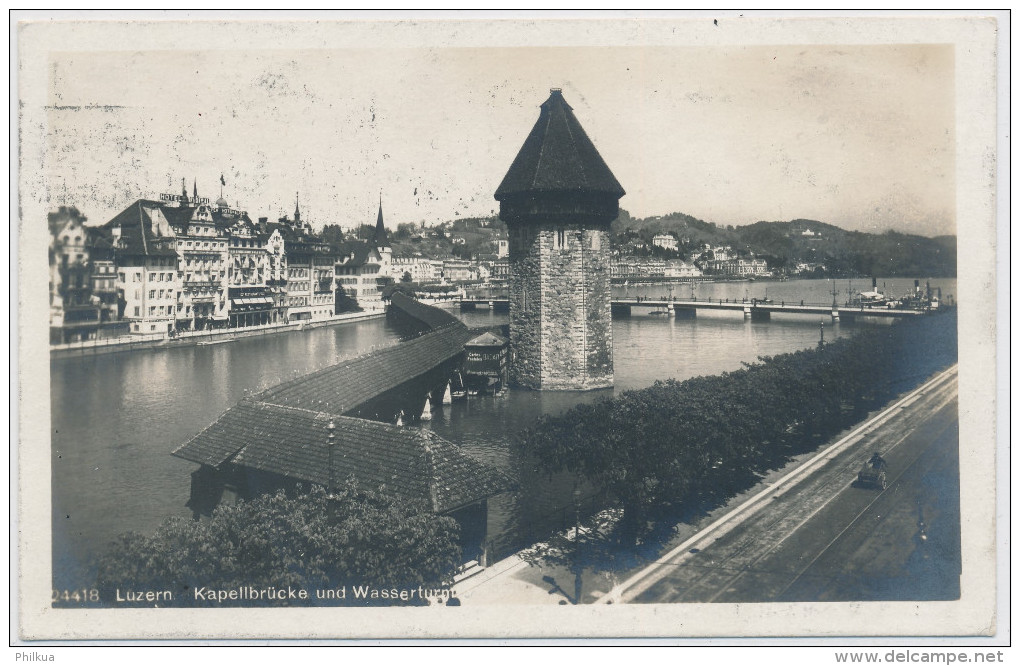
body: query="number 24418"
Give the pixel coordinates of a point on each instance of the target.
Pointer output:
(79, 596)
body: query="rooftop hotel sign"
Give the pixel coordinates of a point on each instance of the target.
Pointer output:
(180, 197)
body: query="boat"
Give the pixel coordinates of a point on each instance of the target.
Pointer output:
(871, 299)
(457, 390)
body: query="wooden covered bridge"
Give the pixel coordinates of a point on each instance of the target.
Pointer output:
(337, 422)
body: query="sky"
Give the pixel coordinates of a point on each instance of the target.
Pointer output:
(861, 137)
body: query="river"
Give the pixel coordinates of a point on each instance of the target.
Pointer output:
(117, 417)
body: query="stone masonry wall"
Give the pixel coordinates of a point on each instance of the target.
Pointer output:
(525, 311)
(599, 305)
(561, 328)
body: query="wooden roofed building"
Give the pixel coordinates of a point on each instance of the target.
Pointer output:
(281, 437)
(485, 366)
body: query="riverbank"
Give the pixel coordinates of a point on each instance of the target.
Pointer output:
(194, 338)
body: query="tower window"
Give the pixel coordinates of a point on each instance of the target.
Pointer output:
(561, 239)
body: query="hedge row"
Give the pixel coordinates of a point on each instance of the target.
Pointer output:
(679, 447)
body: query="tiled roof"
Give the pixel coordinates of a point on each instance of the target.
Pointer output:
(431, 317)
(341, 388)
(283, 429)
(136, 230)
(98, 238)
(408, 462)
(177, 216)
(558, 156)
(486, 340)
(360, 250)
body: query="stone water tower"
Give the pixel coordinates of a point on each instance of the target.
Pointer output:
(558, 200)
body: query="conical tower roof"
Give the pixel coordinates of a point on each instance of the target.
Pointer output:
(380, 237)
(558, 156)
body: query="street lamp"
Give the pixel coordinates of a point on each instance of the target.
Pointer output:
(577, 545)
(577, 512)
(331, 444)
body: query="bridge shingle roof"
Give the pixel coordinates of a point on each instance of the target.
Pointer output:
(430, 316)
(409, 462)
(342, 387)
(283, 430)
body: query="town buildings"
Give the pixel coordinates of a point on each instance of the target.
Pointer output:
(310, 270)
(364, 268)
(181, 263)
(358, 273)
(739, 266)
(148, 282)
(82, 280)
(460, 270)
(665, 241)
(251, 302)
(631, 268)
(421, 270)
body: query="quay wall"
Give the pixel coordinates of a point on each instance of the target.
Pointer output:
(192, 338)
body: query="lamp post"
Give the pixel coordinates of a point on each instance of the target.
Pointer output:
(331, 445)
(577, 512)
(577, 545)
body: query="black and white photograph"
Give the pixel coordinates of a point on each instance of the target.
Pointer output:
(674, 326)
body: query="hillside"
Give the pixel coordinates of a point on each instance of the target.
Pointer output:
(785, 245)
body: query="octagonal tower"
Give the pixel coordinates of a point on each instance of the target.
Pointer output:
(558, 200)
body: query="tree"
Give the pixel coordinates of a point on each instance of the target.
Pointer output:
(311, 541)
(344, 302)
(405, 230)
(406, 277)
(333, 234)
(406, 288)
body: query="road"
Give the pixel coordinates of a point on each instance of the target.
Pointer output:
(822, 538)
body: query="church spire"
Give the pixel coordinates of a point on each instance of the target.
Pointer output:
(195, 190)
(184, 193)
(297, 206)
(379, 238)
